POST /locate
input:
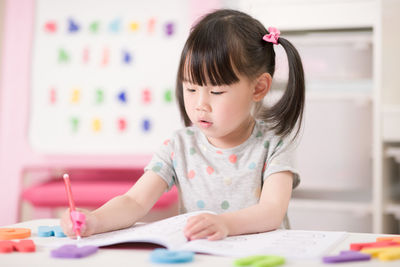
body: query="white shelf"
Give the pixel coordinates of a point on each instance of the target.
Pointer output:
(391, 123)
(366, 27)
(394, 152)
(357, 90)
(393, 208)
(321, 14)
(360, 97)
(358, 40)
(361, 208)
(346, 87)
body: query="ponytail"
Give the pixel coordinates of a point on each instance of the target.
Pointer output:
(288, 111)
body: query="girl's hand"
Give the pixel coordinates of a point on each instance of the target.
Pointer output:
(87, 229)
(206, 225)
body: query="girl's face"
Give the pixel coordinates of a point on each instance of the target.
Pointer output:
(222, 113)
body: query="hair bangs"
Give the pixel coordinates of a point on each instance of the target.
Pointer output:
(208, 63)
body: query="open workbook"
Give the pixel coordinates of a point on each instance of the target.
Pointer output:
(296, 244)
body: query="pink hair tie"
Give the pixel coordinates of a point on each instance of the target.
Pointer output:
(272, 36)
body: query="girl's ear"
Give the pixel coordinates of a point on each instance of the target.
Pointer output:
(262, 86)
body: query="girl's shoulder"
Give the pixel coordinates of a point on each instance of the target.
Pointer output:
(270, 135)
(265, 130)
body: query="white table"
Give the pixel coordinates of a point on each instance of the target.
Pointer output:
(135, 256)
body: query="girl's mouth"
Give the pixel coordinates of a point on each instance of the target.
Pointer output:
(205, 124)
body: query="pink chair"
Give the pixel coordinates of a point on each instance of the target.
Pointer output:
(91, 189)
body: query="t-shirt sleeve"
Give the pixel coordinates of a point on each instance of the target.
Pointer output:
(162, 163)
(279, 158)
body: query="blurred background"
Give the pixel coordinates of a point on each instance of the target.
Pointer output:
(87, 87)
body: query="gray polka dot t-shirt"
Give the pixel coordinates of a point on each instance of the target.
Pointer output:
(221, 180)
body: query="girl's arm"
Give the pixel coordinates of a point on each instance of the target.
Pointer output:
(265, 216)
(269, 212)
(121, 211)
(124, 210)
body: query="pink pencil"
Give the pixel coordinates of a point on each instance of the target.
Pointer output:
(71, 202)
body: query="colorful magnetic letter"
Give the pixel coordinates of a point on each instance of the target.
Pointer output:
(134, 26)
(85, 55)
(168, 96)
(96, 125)
(381, 244)
(99, 96)
(146, 125)
(74, 124)
(161, 255)
(53, 96)
(146, 96)
(14, 233)
(122, 97)
(50, 27)
(169, 28)
(47, 231)
(121, 124)
(126, 57)
(76, 93)
(384, 254)
(389, 238)
(94, 27)
(63, 55)
(151, 25)
(106, 57)
(21, 246)
(389, 255)
(115, 25)
(6, 246)
(72, 26)
(72, 251)
(260, 260)
(346, 256)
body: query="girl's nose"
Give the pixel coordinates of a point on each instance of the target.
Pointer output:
(202, 104)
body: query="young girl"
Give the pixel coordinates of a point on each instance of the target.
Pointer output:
(233, 156)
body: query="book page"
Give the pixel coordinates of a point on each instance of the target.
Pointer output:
(292, 244)
(167, 233)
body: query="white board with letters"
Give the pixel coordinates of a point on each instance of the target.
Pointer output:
(103, 75)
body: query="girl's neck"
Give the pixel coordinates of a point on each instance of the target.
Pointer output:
(235, 138)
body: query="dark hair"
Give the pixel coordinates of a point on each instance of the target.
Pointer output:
(226, 43)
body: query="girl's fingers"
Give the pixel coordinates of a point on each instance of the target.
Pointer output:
(216, 236)
(202, 229)
(68, 229)
(193, 220)
(190, 223)
(66, 224)
(84, 231)
(200, 226)
(196, 226)
(202, 234)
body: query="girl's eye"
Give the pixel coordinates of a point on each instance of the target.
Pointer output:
(217, 93)
(190, 90)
